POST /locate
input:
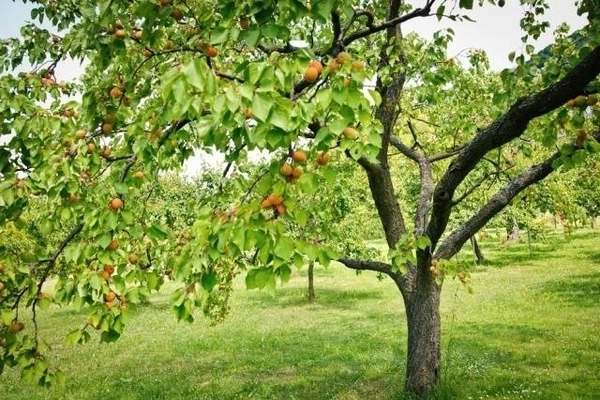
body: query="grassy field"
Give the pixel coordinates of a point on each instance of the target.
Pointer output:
(531, 329)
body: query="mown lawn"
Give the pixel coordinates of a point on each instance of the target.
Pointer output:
(531, 329)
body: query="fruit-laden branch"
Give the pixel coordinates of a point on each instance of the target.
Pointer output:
(453, 243)
(507, 127)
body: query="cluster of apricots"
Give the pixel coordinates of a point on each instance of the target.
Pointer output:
(275, 202)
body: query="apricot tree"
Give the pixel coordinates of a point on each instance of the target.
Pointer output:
(163, 79)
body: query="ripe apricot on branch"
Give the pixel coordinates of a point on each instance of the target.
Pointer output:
(311, 74)
(107, 128)
(358, 65)
(244, 23)
(132, 258)
(106, 151)
(266, 203)
(286, 170)
(90, 148)
(299, 156)
(297, 172)
(280, 209)
(334, 65)
(113, 245)
(350, 133)
(248, 113)
(16, 327)
(317, 65)
(120, 34)
(343, 57)
(211, 52)
(110, 297)
(139, 174)
(80, 134)
(323, 159)
(109, 268)
(115, 204)
(177, 14)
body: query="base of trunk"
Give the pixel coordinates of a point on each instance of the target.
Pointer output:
(424, 337)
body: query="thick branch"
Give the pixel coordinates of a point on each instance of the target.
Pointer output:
(506, 128)
(427, 185)
(453, 243)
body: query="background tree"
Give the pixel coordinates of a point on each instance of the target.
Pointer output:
(165, 78)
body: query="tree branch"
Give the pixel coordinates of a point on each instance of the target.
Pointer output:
(418, 12)
(504, 129)
(361, 265)
(453, 243)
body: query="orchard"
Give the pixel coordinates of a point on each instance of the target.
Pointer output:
(314, 107)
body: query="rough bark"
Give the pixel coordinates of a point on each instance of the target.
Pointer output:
(422, 303)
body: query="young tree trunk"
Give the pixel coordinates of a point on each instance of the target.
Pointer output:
(424, 336)
(311, 282)
(479, 258)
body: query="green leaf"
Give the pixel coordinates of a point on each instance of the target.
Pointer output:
(109, 336)
(468, 4)
(422, 242)
(251, 279)
(284, 248)
(73, 337)
(209, 280)
(157, 232)
(264, 278)
(261, 106)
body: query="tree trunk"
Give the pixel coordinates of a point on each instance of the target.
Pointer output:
(424, 335)
(477, 253)
(513, 234)
(311, 282)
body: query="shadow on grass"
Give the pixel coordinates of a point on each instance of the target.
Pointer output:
(325, 297)
(306, 365)
(577, 290)
(502, 255)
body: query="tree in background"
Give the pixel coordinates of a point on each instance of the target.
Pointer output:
(293, 80)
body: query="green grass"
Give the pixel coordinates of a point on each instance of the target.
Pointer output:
(530, 330)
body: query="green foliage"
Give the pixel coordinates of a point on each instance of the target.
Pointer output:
(90, 196)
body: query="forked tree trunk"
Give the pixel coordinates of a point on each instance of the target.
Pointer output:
(424, 336)
(311, 282)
